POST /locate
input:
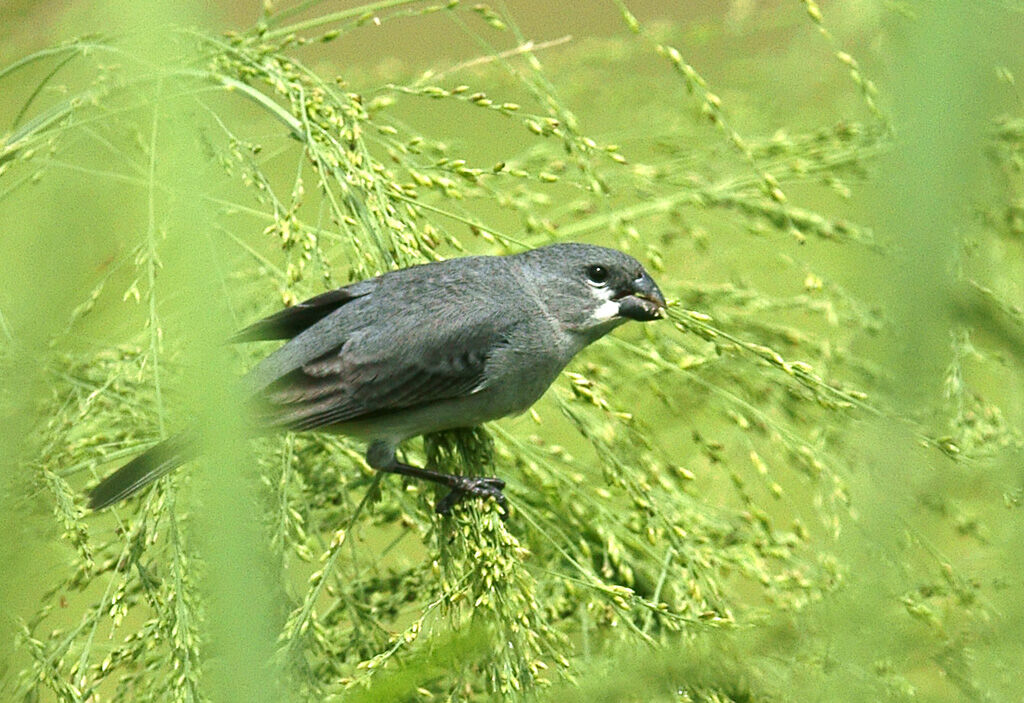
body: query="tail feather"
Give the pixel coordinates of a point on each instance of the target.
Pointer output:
(141, 471)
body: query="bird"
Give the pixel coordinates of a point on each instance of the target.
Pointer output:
(435, 346)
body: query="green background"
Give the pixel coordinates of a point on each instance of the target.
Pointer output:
(805, 484)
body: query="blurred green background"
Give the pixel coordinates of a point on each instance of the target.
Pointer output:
(806, 484)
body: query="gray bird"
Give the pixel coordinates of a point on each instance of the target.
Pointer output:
(427, 348)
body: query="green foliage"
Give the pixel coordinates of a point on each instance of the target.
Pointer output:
(751, 498)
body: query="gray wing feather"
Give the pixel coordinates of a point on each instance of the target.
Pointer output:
(293, 320)
(414, 336)
(315, 341)
(377, 374)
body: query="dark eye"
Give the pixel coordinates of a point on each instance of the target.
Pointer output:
(597, 275)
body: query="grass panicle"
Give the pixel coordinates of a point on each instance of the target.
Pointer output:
(729, 505)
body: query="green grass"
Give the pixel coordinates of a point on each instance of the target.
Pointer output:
(804, 483)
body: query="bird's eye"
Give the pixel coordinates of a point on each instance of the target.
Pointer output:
(598, 275)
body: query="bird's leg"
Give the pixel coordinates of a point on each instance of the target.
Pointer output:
(461, 486)
(382, 457)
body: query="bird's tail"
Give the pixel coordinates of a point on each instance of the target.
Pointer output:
(141, 471)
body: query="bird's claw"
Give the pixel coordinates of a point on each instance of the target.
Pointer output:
(474, 487)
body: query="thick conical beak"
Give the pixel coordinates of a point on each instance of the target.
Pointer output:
(644, 302)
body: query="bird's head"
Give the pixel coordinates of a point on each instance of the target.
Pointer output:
(592, 289)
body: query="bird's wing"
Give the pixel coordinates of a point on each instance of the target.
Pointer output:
(408, 362)
(291, 321)
(329, 324)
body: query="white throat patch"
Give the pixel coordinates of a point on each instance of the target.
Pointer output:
(608, 308)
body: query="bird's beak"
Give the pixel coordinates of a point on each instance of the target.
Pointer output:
(644, 301)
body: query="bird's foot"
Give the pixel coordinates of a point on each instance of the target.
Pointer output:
(461, 486)
(473, 487)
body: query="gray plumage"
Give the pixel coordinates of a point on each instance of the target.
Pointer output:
(427, 348)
